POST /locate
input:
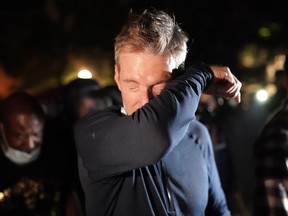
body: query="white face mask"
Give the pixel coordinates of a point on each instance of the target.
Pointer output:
(16, 156)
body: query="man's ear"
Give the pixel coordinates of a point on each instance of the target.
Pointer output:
(117, 76)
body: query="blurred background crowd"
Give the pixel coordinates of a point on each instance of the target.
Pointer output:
(61, 52)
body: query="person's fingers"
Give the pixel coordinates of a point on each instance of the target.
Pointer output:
(228, 76)
(235, 91)
(235, 86)
(225, 84)
(230, 89)
(238, 98)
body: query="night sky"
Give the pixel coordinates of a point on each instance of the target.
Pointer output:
(37, 35)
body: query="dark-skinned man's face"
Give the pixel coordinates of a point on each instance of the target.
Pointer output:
(23, 132)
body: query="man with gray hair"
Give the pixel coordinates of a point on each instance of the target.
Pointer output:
(151, 156)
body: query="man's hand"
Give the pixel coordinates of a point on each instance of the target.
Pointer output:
(224, 84)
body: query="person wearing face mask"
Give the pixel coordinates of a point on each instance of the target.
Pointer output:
(32, 178)
(21, 133)
(21, 128)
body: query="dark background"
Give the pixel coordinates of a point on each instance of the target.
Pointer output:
(43, 42)
(37, 36)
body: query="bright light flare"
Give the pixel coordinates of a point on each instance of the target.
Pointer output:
(262, 95)
(84, 74)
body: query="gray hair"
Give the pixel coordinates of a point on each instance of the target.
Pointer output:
(154, 32)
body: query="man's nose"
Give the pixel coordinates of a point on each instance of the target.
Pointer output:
(146, 96)
(29, 144)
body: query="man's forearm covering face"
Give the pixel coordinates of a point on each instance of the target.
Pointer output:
(110, 143)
